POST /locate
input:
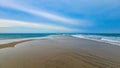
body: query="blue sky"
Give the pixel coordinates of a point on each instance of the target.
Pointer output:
(41, 16)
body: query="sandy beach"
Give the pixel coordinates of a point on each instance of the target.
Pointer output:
(59, 52)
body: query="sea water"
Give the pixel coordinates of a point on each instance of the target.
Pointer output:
(14, 37)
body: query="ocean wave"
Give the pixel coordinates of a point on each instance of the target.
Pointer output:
(111, 40)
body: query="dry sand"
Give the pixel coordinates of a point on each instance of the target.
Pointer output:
(60, 52)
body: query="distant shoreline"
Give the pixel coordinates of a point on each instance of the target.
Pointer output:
(101, 37)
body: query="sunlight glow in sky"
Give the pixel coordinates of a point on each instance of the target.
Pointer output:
(41, 16)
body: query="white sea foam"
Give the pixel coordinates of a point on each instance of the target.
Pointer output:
(111, 40)
(5, 41)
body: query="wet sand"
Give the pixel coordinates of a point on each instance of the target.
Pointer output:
(60, 52)
(12, 44)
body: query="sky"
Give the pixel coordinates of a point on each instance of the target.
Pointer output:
(59, 16)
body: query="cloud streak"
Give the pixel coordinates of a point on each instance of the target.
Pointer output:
(14, 23)
(14, 5)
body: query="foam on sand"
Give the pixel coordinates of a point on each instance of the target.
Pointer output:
(111, 40)
(6, 41)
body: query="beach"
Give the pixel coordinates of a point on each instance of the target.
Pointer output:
(59, 52)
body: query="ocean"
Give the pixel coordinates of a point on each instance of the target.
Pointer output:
(14, 37)
(113, 38)
(22, 35)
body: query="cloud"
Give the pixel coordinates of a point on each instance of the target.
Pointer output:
(14, 23)
(14, 5)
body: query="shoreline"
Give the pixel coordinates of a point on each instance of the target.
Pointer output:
(12, 44)
(99, 40)
(60, 52)
(6, 41)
